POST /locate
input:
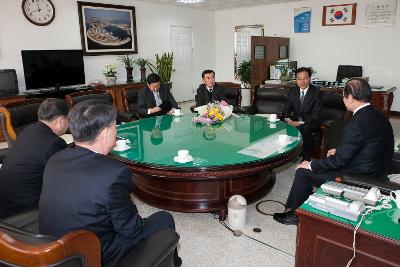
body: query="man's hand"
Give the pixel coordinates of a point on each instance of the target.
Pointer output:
(304, 165)
(293, 123)
(155, 109)
(331, 152)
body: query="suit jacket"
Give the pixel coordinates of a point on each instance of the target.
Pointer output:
(367, 146)
(22, 170)
(146, 100)
(86, 190)
(310, 111)
(202, 97)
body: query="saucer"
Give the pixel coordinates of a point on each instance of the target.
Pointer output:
(180, 115)
(121, 149)
(271, 120)
(177, 159)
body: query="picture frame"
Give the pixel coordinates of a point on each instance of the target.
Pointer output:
(107, 29)
(339, 15)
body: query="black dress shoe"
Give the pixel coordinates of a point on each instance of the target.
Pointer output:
(288, 218)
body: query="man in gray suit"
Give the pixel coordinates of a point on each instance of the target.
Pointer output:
(155, 99)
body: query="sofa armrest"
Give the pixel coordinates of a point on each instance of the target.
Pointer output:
(155, 250)
(384, 185)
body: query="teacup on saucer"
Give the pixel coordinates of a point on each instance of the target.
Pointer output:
(122, 148)
(183, 160)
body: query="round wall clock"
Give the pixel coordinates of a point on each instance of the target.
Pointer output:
(39, 12)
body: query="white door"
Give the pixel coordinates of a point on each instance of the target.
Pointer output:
(243, 49)
(182, 78)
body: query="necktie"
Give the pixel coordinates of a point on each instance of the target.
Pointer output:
(157, 98)
(301, 98)
(210, 95)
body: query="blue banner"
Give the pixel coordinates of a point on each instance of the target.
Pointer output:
(302, 19)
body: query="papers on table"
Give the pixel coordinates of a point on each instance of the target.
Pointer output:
(269, 145)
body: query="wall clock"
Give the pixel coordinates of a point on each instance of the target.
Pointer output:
(39, 12)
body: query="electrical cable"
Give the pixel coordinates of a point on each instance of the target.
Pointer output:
(268, 200)
(385, 205)
(238, 233)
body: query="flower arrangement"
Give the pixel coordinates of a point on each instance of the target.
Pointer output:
(212, 113)
(110, 70)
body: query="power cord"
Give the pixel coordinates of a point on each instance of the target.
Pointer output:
(239, 233)
(385, 205)
(265, 201)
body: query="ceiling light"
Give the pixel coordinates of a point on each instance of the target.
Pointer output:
(189, 1)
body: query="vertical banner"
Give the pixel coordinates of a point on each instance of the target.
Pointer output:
(337, 15)
(302, 19)
(380, 13)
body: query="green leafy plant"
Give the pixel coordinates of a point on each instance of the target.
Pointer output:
(110, 70)
(163, 66)
(141, 62)
(244, 73)
(127, 60)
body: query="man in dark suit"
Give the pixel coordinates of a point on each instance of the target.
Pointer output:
(155, 99)
(302, 109)
(22, 170)
(367, 149)
(83, 188)
(209, 91)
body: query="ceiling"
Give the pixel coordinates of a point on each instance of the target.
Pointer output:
(214, 5)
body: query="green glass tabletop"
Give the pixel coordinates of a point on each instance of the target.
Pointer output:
(384, 222)
(237, 140)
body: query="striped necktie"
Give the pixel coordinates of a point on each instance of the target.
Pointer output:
(302, 98)
(157, 98)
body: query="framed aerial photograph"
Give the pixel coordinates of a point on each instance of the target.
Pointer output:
(339, 15)
(107, 29)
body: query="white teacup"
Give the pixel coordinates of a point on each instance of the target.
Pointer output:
(273, 117)
(183, 154)
(396, 197)
(272, 125)
(121, 144)
(283, 138)
(177, 112)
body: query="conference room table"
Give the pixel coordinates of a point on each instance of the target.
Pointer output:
(236, 156)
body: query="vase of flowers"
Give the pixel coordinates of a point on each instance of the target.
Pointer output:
(212, 113)
(110, 71)
(128, 63)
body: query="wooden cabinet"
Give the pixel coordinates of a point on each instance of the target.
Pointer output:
(266, 51)
(324, 242)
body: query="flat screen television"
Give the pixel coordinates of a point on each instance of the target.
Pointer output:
(53, 68)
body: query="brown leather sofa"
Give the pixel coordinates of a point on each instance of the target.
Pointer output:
(79, 248)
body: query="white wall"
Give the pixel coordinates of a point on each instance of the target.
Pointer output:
(376, 49)
(152, 22)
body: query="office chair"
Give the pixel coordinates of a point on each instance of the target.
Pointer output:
(348, 71)
(18, 115)
(75, 98)
(8, 83)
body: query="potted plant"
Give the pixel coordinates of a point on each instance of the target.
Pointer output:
(244, 73)
(128, 62)
(110, 71)
(163, 67)
(142, 62)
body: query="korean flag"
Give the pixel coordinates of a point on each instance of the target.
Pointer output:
(339, 15)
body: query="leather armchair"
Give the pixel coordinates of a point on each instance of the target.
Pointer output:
(332, 123)
(75, 98)
(267, 101)
(80, 248)
(130, 102)
(16, 116)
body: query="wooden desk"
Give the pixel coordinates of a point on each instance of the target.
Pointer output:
(381, 99)
(322, 241)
